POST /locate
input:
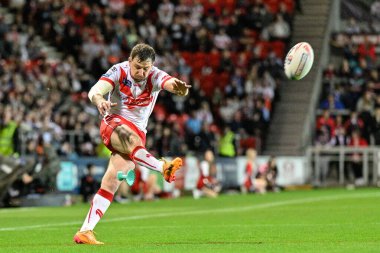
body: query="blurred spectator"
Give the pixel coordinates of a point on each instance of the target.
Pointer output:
(352, 27)
(279, 29)
(40, 178)
(323, 138)
(89, 185)
(165, 12)
(227, 143)
(207, 139)
(354, 123)
(332, 103)
(376, 126)
(8, 132)
(269, 173)
(357, 141)
(340, 137)
(207, 184)
(327, 121)
(152, 190)
(250, 171)
(221, 40)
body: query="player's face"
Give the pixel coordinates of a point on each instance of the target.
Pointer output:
(140, 69)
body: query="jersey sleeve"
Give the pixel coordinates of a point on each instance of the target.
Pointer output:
(159, 78)
(112, 75)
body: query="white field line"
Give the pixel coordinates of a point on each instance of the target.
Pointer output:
(18, 210)
(136, 227)
(207, 211)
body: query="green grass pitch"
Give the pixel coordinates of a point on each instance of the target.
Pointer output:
(334, 220)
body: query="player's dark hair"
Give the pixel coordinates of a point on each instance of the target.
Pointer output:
(144, 52)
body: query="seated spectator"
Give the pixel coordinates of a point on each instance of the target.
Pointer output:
(332, 103)
(352, 27)
(375, 126)
(340, 137)
(207, 184)
(40, 176)
(354, 123)
(279, 29)
(152, 190)
(323, 138)
(269, 173)
(137, 189)
(357, 159)
(14, 173)
(250, 173)
(326, 120)
(145, 186)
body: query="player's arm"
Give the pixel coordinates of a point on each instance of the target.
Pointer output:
(176, 86)
(96, 96)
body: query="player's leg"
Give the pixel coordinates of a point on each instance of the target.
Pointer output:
(125, 140)
(121, 195)
(102, 198)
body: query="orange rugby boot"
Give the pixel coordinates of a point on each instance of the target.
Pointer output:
(86, 237)
(170, 168)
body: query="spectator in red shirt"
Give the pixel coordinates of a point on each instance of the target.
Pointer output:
(367, 50)
(326, 120)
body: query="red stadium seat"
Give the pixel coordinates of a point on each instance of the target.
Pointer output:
(279, 48)
(289, 5)
(272, 5)
(214, 59)
(188, 57)
(263, 47)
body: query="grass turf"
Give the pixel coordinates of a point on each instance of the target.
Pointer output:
(303, 221)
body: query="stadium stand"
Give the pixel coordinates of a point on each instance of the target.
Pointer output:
(349, 107)
(231, 56)
(53, 51)
(350, 94)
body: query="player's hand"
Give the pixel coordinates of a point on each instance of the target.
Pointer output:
(181, 88)
(105, 106)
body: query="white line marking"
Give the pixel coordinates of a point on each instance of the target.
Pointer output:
(207, 211)
(17, 210)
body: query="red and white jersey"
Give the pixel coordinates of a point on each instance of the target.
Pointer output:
(135, 100)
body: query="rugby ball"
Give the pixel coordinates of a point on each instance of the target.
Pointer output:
(298, 61)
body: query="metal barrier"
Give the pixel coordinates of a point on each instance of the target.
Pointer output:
(317, 157)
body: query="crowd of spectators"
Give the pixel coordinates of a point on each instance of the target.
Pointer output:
(350, 99)
(349, 110)
(230, 52)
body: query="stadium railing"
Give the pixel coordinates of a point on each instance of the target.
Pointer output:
(317, 157)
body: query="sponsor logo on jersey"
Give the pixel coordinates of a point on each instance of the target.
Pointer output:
(109, 72)
(127, 82)
(142, 101)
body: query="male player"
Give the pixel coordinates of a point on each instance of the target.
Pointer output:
(133, 87)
